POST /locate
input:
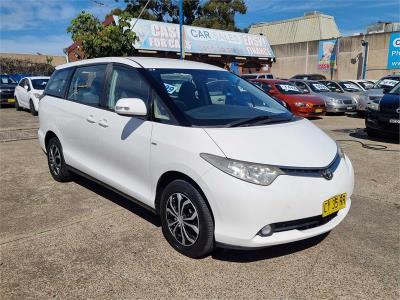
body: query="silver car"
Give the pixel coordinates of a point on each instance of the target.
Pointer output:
(334, 102)
(349, 89)
(382, 86)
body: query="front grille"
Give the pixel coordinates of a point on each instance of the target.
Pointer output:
(303, 224)
(312, 172)
(347, 101)
(319, 106)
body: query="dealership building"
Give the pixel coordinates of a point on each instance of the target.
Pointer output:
(232, 50)
(300, 45)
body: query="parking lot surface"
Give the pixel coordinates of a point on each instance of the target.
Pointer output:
(79, 240)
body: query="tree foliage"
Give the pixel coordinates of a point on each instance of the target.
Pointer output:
(220, 14)
(99, 40)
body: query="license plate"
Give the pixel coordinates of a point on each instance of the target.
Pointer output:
(11, 100)
(333, 204)
(349, 107)
(394, 121)
(318, 110)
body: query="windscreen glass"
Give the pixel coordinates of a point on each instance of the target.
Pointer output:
(213, 98)
(39, 84)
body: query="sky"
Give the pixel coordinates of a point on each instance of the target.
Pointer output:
(39, 26)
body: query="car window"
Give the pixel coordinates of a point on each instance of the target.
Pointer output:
(87, 85)
(287, 88)
(213, 98)
(126, 83)
(350, 86)
(57, 83)
(39, 84)
(387, 83)
(302, 86)
(333, 86)
(248, 76)
(22, 82)
(319, 87)
(5, 79)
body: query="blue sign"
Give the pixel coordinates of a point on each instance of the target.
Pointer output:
(394, 51)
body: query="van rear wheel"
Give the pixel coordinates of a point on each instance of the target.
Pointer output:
(186, 220)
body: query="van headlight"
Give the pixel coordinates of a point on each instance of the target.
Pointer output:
(251, 172)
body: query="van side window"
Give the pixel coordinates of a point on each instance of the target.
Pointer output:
(57, 83)
(126, 83)
(87, 85)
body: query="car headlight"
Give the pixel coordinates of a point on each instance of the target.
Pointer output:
(334, 101)
(340, 150)
(373, 105)
(37, 95)
(300, 104)
(251, 172)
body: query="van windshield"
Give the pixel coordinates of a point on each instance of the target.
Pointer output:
(217, 98)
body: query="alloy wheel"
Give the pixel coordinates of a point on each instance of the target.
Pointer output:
(182, 219)
(55, 159)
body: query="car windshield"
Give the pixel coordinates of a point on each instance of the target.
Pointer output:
(349, 86)
(217, 98)
(387, 83)
(287, 88)
(5, 79)
(395, 90)
(318, 87)
(39, 84)
(333, 86)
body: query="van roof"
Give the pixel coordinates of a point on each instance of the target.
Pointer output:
(146, 62)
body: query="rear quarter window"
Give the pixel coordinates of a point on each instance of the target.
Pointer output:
(57, 83)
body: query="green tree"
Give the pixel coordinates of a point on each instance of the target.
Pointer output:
(191, 11)
(220, 14)
(156, 10)
(99, 40)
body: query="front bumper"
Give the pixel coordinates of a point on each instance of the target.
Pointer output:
(340, 108)
(380, 122)
(241, 209)
(7, 98)
(311, 111)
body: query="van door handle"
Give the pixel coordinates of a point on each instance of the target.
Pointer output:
(91, 119)
(103, 123)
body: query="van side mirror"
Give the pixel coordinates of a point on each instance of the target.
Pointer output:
(26, 87)
(131, 107)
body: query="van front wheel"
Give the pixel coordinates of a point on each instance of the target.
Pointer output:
(186, 220)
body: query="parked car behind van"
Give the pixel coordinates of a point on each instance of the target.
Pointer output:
(383, 118)
(7, 87)
(28, 92)
(349, 89)
(382, 86)
(220, 161)
(300, 104)
(335, 103)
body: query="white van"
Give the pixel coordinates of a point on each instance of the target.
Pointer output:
(221, 162)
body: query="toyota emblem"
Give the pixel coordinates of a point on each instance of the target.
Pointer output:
(327, 174)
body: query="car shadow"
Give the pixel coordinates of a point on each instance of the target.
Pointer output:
(245, 256)
(132, 124)
(118, 199)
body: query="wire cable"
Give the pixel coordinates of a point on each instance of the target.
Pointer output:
(375, 147)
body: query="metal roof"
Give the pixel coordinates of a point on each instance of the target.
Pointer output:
(308, 28)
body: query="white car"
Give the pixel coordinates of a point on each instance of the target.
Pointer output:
(233, 168)
(28, 92)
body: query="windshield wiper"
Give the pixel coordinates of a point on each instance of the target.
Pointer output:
(256, 120)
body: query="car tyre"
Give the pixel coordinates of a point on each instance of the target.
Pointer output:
(17, 107)
(32, 108)
(372, 133)
(55, 158)
(186, 220)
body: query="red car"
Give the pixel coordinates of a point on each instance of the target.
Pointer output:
(299, 103)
